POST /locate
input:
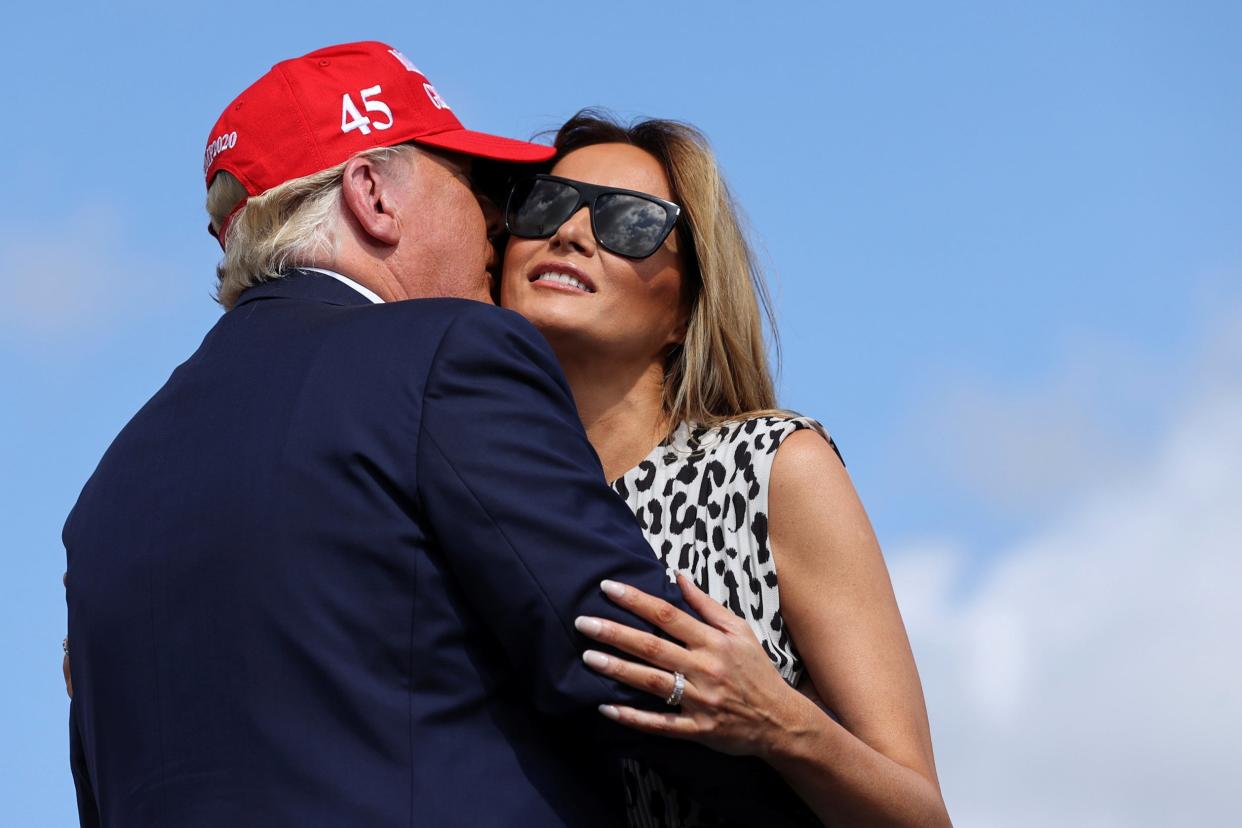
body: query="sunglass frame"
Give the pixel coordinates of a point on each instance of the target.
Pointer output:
(588, 194)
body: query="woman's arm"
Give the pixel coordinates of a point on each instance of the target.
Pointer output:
(876, 767)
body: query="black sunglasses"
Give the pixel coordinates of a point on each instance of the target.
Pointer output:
(626, 222)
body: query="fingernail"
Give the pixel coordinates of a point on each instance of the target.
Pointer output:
(610, 711)
(594, 660)
(612, 588)
(589, 626)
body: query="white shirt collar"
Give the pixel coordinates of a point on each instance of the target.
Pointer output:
(345, 280)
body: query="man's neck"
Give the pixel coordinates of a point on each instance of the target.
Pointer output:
(368, 273)
(341, 277)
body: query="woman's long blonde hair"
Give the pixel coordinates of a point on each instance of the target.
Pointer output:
(720, 371)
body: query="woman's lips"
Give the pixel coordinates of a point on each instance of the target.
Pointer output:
(561, 276)
(549, 281)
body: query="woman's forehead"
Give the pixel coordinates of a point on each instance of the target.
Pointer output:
(616, 165)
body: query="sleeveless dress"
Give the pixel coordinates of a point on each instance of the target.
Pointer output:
(701, 498)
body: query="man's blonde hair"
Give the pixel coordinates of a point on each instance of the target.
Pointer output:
(720, 371)
(290, 225)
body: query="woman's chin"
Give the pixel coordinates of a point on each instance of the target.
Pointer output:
(567, 335)
(561, 331)
(550, 317)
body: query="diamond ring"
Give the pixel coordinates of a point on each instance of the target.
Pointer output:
(679, 687)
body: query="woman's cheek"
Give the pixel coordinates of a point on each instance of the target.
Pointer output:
(515, 255)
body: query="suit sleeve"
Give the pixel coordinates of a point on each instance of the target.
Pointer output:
(516, 498)
(88, 808)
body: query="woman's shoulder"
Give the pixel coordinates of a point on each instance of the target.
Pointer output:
(761, 433)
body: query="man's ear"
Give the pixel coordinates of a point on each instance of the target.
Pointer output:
(368, 191)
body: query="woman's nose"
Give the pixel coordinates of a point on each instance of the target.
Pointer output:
(576, 233)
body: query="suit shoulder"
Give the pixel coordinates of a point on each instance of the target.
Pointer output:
(453, 333)
(488, 329)
(416, 323)
(485, 340)
(444, 313)
(483, 317)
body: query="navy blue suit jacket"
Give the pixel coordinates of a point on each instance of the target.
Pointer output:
(328, 576)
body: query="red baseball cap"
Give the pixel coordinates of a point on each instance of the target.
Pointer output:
(316, 111)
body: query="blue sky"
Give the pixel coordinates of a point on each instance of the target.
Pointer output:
(1005, 240)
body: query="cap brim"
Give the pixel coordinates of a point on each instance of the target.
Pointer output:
(482, 145)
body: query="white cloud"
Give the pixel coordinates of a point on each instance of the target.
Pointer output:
(1091, 676)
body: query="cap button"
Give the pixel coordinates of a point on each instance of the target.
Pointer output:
(324, 61)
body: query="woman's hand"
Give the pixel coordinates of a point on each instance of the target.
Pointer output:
(734, 700)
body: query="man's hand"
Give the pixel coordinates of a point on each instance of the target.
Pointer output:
(68, 681)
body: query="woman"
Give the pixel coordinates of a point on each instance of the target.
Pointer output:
(651, 300)
(656, 323)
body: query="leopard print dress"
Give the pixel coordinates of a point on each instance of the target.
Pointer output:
(701, 498)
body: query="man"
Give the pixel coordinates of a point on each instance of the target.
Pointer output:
(328, 574)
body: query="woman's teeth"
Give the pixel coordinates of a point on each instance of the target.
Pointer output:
(564, 279)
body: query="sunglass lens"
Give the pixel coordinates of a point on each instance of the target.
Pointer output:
(538, 207)
(629, 225)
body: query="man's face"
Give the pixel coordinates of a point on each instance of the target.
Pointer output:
(444, 250)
